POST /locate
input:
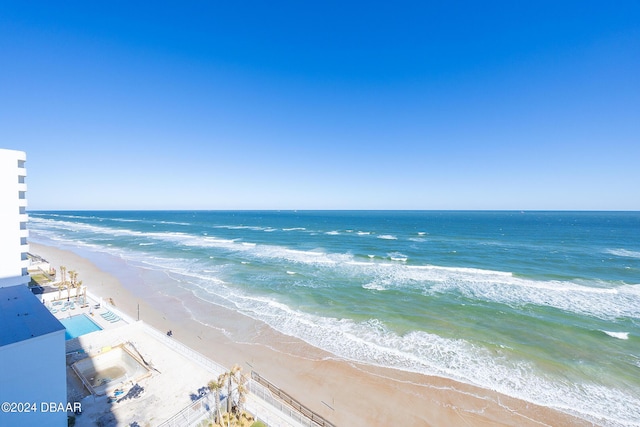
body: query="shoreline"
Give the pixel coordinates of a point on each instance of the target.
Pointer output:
(345, 392)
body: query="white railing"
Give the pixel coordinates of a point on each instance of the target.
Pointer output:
(111, 308)
(201, 409)
(186, 351)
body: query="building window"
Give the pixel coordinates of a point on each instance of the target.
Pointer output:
(21, 164)
(21, 179)
(23, 210)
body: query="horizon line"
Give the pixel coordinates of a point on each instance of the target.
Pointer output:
(332, 210)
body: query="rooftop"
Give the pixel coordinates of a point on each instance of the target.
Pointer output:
(23, 316)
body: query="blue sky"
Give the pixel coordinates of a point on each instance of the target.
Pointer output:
(324, 105)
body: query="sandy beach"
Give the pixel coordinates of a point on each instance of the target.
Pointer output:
(344, 392)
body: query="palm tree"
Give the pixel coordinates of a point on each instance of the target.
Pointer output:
(229, 378)
(63, 279)
(234, 382)
(242, 395)
(216, 386)
(240, 379)
(73, 275)
(73, 283)
(72, 278)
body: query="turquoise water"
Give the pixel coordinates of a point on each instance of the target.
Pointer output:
(543, 306)
(77, 326)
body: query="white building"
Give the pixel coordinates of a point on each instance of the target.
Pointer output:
(13, 219)
(32, 342)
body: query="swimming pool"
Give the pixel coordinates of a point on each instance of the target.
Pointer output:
(109, 369)
(78, 325)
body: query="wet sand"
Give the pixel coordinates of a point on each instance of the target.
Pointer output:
(346, 393)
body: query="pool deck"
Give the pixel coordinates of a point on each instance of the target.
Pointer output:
(175, 378)
(90, 310)
(178, 373)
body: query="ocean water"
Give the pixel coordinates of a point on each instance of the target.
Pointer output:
(543, 306)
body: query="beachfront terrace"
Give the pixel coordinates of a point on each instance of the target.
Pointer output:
(170, 390)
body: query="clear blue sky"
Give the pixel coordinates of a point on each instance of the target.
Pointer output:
(324, 105)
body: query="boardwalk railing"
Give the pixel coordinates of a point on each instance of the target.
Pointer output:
(313, 419)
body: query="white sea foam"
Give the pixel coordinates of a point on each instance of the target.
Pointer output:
(374, 286)
(240, 227)
(430, 354)
(387, 237)
(417, 351)
(333, 233)
(503, 287)
(35, 215)
(291, 272)
(618, 335)
(623, 253)
(174, 223)
(397, 256)
(496, 286)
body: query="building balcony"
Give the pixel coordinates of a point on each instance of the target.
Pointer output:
(22, 203)
(22, 186)
(23, 218)
(24, 233)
